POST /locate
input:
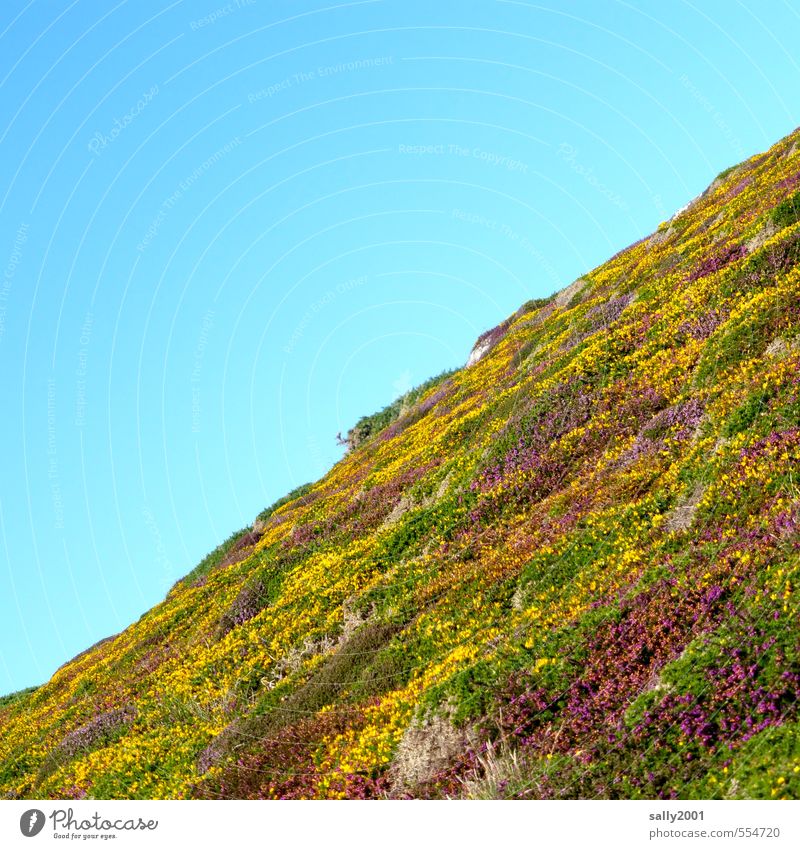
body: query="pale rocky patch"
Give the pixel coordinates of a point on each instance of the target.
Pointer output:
(781, 348)
(660, 236)
(426, 748)
(398, 511)
(680, 518)
(407, 503)
(479, 352)
(761, 237)
(563, 297)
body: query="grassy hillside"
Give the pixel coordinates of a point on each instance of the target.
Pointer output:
(569, 570)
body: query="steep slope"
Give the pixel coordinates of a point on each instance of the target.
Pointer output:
(567, 570)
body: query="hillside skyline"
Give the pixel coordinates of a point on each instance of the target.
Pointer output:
(226, 237)
(566, 570)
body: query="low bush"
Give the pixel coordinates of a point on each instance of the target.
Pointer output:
(788, 212)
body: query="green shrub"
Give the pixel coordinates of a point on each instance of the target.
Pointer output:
(533, 305)
(744, 416)
(727, 172)
(389, 669)
(85, 688)
(742, 339)
(368, 426)
(12, 698)
(788, 212)
(766, 766)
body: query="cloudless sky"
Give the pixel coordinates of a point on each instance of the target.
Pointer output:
(228, 231)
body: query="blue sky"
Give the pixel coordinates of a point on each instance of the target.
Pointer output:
(229, 230)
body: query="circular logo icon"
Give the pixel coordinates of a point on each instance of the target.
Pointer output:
(31, 822)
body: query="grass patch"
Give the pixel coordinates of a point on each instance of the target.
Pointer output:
(18, 696)
(788, 212)
(743, 417)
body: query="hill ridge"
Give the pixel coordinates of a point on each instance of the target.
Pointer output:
(565, 570)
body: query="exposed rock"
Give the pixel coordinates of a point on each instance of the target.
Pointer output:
(780, 348)
(563, 297)
(660, 236)
(721, 442)
(440, 490)
(760, 238)
(519, 599)
(680, 518)
(293, 660)
(777, 348)
(715, 184)
(406, 503)
(714, 221)
(478, 352)
(485, 342)
(352, 620)
(426, 748)
(398, 511)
